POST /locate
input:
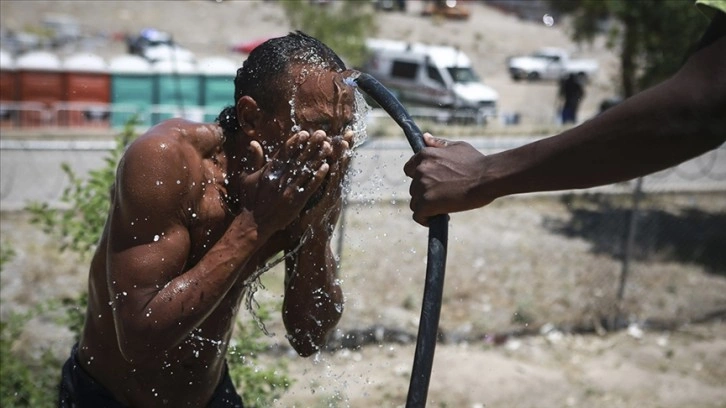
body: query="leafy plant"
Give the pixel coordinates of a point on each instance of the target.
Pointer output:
(652, 37)
(7, 253)
(260, 385)
(341, 25)
(87, 199)
(25, 379)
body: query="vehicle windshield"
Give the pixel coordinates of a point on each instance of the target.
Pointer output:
(462, 75)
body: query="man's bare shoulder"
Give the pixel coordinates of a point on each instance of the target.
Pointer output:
(182, 134)
(163, 160)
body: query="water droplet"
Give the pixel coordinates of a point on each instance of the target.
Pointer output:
(548, 20)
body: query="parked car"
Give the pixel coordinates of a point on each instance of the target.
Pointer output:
(155, 45)
(431, 76)
(550, 63)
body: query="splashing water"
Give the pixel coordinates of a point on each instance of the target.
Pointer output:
(548, 20)
(362, 109)
(360, 115)
(359, 127)
(252, 284)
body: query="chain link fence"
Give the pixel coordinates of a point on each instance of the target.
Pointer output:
(648, 252)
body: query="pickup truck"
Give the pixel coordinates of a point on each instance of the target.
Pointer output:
(550, 63)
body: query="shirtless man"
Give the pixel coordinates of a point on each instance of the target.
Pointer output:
(196, 210)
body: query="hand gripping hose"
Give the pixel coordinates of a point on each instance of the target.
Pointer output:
(436, 256)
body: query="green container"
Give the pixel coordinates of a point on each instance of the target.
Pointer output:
(217, 85)
(178, 87)
(218, 93)
(132, 90)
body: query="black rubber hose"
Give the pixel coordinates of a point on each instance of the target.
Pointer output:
(436, 257)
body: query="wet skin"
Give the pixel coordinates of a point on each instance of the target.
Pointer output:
(193, 215)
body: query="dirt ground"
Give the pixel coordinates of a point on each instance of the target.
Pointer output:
(504, 261)
(509, 268)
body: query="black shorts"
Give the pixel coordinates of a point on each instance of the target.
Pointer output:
(79, 390)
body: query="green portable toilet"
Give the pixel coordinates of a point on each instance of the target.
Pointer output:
(132, 90)
(218, 75)
(178, 91)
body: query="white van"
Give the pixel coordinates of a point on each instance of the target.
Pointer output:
(431, 76)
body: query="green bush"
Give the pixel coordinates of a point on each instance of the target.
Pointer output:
(260, 385)
(343, 26)
(24, 379)
(88, 200)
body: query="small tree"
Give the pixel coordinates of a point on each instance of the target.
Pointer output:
(341, 25)
(79, 227)
(652, 37)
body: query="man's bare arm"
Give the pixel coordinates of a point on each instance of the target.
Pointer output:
(658, 128)
(313, 297)
(679, 119)
(313, 301)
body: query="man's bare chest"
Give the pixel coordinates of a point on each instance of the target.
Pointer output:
(208, 218)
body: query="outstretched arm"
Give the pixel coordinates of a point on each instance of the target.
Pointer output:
(674, 121)
(313, 297)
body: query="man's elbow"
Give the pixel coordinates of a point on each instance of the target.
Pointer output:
(306, 351)
(306, 346)
(309, 341)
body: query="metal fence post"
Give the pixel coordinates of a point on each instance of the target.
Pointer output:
(630, 239)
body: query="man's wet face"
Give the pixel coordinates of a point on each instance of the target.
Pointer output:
(322, 100)
(318, 100)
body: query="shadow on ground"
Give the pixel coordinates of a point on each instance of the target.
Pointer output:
(683, 234)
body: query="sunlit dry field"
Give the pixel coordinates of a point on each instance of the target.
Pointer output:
(507, 270)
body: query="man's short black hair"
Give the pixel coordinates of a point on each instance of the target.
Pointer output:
(260, 75)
